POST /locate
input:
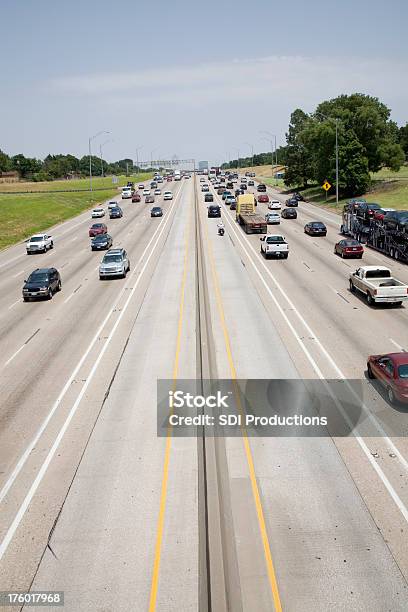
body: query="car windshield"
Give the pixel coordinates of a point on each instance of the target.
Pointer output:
(403, 371)
(101, 238)
(38, 277)
(97, 226)
(156, 209)
(275, 239)
(112, 259)
(37, 239)
(317, 225)
(351, 243)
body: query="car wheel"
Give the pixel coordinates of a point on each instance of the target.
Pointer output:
(392, 253)
(59, 286)
(50, 294)
(342, 254)
(51, 245)
(370, 372)
(352, 287)
(391, 395)
(370, 300)
(360, 256)
(286, 255)
(26, 299)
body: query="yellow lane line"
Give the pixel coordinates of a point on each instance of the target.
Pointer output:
(165, 478)
(255, 490)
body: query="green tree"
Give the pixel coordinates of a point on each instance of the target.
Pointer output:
(5, 162)
(403, 138)
(26, 166)
(299, 169)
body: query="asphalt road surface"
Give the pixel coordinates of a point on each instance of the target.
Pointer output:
(94, 503)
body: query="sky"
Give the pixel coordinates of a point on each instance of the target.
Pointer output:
(201, 80)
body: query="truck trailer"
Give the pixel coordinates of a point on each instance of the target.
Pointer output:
(246, 216)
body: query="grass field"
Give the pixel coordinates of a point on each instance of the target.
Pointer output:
(97, 183)
(25, 214)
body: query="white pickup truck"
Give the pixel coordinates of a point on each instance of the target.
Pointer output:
(378, 285)
(39, 243)
(274, 245)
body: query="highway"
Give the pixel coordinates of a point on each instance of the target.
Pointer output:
(94, 503)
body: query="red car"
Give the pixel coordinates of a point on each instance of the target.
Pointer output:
(381, 212)
(349, 248)
(169, 179)
(392, 372)
(97, 228)
(264, 198)
(136, 197)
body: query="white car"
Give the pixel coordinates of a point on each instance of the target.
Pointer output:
(205, 188)
(98, 212)
(157, 192)
(168, 195)
(126, 193)
(146, 192)
(272, 218)
(39, 243)
(141, 186)
(202, 179)
(112, 205)
(274, 205)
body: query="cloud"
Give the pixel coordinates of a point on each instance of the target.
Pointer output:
(293, 77)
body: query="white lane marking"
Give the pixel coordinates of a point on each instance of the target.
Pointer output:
(14, 355)
(401, 348)
(387, 484)
(18, 273)
(68, 298)
(14, 303)
(150, 250)
(6, 263)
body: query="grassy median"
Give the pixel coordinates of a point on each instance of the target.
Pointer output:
(25, 214)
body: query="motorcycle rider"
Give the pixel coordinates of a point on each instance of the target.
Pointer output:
(221, 228)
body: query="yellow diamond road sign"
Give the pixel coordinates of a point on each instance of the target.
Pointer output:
(326, 185)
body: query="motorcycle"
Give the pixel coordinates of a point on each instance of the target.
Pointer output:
(221, 231)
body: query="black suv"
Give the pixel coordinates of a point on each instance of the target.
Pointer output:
(214, 211)
(289, 213)
(261, 188)
(42, 283)
(208, 197)
(395, 219)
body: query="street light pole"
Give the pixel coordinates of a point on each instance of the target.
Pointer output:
(252, 151)
(137, 158)
(100, 151)
(91, 138)
(271, 136)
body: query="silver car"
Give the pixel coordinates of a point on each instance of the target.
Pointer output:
(115, 263)
(272, 218)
